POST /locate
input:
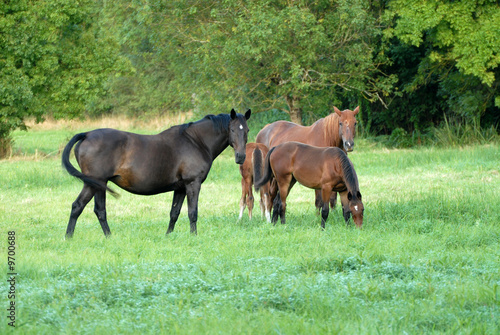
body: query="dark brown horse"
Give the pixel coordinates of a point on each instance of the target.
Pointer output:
(324, 169)
(336, 130)
(251, 170)
(178, 159)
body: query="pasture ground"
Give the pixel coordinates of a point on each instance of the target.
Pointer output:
(426, 261)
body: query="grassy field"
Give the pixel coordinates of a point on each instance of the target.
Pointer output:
(426, 261)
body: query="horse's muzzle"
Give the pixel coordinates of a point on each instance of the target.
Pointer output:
(239, 158)
(349, 146)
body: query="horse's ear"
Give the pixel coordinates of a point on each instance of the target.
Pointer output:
(356, 111)
(359, 195)
(339, 113)
(349, 196)
(233, 114)
(248, 113)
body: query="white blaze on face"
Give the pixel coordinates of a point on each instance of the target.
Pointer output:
(356, 207)
(241, 127)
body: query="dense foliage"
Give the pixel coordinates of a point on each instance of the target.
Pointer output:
(409, 64)
(301, 57)
(446, 56)
(54, 59)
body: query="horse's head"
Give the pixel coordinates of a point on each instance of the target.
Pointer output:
(356, 207)
(347, 127)
(238, 134)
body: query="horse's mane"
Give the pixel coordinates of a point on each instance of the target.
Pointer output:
(350, 176)
(220, 122)
(331, 128)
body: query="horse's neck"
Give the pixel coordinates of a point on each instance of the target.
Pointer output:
(329, 132)
(208, 139)
(349, 175)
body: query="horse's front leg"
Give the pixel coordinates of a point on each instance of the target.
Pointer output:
(250, 201)
(193, 192)
(318, 201)
(179, 196)
(243, 200)
(345, 206)
(273, 195)
(325, 196)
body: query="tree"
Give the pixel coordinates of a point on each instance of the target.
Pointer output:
(54, 60)
(461, 51)
(266, 54)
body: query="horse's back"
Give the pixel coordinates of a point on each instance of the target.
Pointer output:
(279, 132)
(246, 169)
(112, 143)
(251, 147)
(312, 153)
(142, 164)
(101, 143)
(310, 165)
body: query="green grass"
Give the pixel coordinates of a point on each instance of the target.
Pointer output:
(426, 261)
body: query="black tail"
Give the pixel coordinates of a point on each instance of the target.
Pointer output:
(74, 172)
(267, 173)
(257, 164)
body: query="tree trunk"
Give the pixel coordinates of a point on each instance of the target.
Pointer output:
(295, 112)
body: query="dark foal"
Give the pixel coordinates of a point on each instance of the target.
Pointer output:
(177, 159)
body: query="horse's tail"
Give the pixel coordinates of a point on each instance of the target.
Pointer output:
(74, 172)
(267, 172)
(257, 164)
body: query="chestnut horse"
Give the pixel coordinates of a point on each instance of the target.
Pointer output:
(251, 170)
(335, 130)
(177, 159)
(324, 169)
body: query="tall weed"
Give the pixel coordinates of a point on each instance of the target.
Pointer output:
(455, 133)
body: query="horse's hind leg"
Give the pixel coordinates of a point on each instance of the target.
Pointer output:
(243, 204)
(265, 204)
(179, 196)
(333, 200)
(100, 211)
(318, 201)
(193, 193)
(285, 185)
(250, 201)
(243, 200)
(77, 208)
